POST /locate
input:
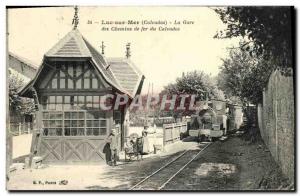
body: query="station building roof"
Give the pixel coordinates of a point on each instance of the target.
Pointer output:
(23, 60)
(121, 73)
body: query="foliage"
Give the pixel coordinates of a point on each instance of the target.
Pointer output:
(267, 31)
(17, 103)
(191, 83)
(243, 76)
(267, 45)
(195, 83)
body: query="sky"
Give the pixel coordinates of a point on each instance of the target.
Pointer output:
(162, 56)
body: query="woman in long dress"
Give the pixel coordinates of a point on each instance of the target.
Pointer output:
(145, 140)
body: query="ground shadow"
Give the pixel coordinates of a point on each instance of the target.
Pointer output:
(189, 139)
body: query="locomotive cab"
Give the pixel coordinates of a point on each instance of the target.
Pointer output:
(209, 123)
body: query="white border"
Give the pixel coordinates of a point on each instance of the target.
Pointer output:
(4, 3)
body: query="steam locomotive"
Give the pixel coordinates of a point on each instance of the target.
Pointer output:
(210, 121)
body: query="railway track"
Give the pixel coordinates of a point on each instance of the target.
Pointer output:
(162, 176)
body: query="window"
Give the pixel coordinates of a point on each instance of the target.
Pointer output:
(73, 116)
(51, 104)
(70, 84)
(74, 123)
(59, 103)
(44, 102)
(89, 102)
(78, 76)
(62, 79)
(94, 83)
(67, 103)
(95, 123)
(81, 102)
(70, 102)
(54, 83)
(79, 83)
(96, 102)
(62, 83)
(52, 123)
(74, 75)
(87, 76)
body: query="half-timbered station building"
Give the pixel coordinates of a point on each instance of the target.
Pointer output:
(71, 126)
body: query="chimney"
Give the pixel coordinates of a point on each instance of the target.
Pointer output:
(102, 48)
(128, 52)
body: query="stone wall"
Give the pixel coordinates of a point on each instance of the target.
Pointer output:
(277, 121)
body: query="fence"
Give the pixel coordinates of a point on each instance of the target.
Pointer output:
(171, 132)
(276, 121)
(139, 122)
(20, 128)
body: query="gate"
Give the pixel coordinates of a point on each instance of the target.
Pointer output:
(71, 150)
(172, 132)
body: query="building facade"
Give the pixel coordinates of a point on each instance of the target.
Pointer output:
(71, 125)
(20, 121)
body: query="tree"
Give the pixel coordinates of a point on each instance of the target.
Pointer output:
(16, 103)
(266, 45)
(195, 83)
(267, 31)
(192, 83)
(244, 76)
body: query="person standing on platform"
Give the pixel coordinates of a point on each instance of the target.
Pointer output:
(107, 152)
(145, 140)
(113, 142)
